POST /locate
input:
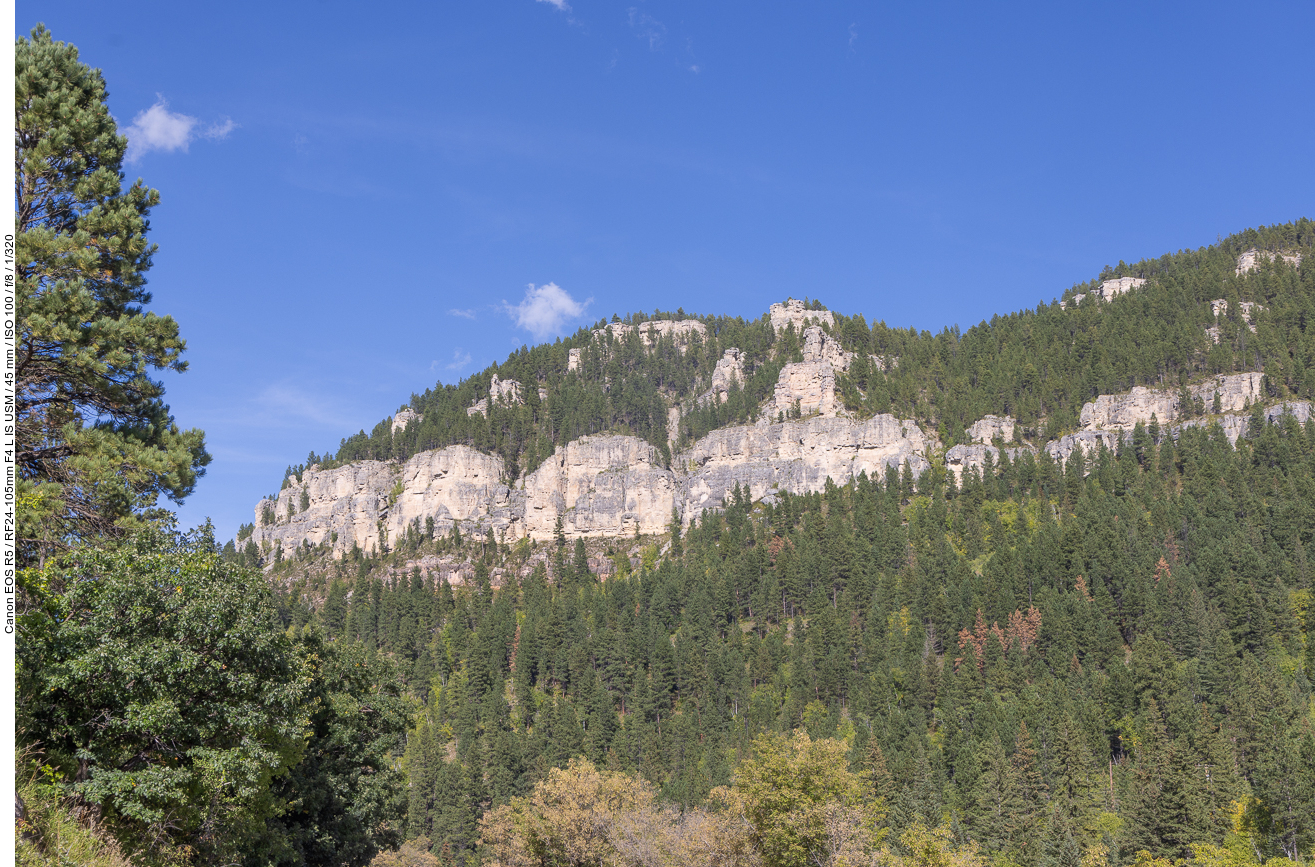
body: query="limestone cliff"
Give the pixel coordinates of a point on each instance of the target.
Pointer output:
(795, 456)
(604, 486)
(614, 486)
(803, 388)
(961, 458)
(729, 371)
(1236, 392)
(681, 331)
(404, 417)
(1219, 308)
(506, 392)
(1108, 290)
(809, 386)
(598, 486)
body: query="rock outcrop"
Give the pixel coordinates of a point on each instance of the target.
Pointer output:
(820, 346)
(1089, 440)
(986, 429)
(729, 371)
(1108, 290)
(1251, 259)
(681, 332)
(1236, 393)
(342, 505)
(404, 417)
(1111, 289)
(792, 311)
(1123, 411)
(809, 386)
(453, 485)
(1235, 426)
(803, 388)
(612, 486)
(505, 390)
(368, 502)
(1219, 307)
(796, 456)
(501, 391)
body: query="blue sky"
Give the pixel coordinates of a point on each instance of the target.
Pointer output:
(356, 198)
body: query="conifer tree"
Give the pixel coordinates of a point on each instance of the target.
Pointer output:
(95, 444)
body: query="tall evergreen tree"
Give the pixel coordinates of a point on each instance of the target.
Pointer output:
(95, 444)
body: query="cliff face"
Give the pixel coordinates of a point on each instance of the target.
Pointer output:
(598, 486)
(1123, 411)
(796, 456)
(1250, 260)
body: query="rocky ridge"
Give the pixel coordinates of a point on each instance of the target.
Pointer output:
(729, 371)
(615, 485)
(404, 417)
(793, 312)
(809, 386)
(681, 331)
(1235, 392)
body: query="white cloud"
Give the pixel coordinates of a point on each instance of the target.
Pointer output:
(159, 129)
(465, 314)
(545, 309)
(559, 5)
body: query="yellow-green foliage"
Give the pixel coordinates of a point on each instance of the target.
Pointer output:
(52, 837)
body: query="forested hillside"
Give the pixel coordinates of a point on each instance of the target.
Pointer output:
(1098, 661)
(1064, 664)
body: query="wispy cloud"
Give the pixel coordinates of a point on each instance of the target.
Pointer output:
(159, 129)
(460, 359)
(464, 314)
(689, 52)
(647, 27)
(545, 309)
(290, 403)
(853, 35)
(559, 5)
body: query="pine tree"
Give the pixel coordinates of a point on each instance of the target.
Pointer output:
(95, 444)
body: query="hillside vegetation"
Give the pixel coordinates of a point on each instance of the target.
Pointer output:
(1104, 660)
